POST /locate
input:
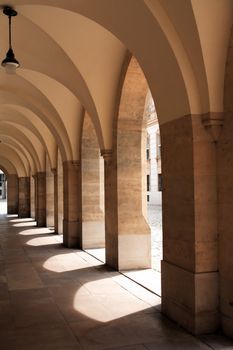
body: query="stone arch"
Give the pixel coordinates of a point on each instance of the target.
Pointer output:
(14, 136)
(34, 124)
(14, 158)
(126, 183)
(7, 166)
(17, 101)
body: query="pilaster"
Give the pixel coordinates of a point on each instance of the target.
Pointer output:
(24, 197)
(190, 264)
(72, 223)
(41, 199)
(12, 194)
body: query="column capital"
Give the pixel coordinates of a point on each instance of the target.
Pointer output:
(54, 171)
(213, 122)
(106, 153)
(40, 174)
(72, 163)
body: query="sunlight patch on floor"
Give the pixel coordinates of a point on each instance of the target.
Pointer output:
(21, 220)
(36, 231)
(65, 262)
(25, 224)
(41, 241)
(108, 301)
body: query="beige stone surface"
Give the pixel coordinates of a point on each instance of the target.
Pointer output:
(225, 205)
(24, 197)
(41, 198)
(93, 227)
(32, 197)
(93, 233)
(49, 195)
(72, 199)
(60, 203)
(190, 299)
(134, 251)
(12, 194)
(55, 199)
(190, 280)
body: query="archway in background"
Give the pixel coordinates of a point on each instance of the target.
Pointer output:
(136, 118)
(3, 192)
(154, 181)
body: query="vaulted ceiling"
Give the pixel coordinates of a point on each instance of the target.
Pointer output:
(73, 53)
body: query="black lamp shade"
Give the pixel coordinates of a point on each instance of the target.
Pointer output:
(10, 59)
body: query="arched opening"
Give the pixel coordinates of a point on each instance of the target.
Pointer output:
(133, 225)
(154, 181)
(3, 192)
(138, 151)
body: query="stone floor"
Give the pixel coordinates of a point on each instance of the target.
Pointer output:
(53, 298)
(148, 278)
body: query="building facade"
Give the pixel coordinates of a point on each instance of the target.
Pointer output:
(3, 185)
(153, 154)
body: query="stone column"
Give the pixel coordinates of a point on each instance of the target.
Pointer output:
(110, 199)
(60, 194)
(55, 184)
(35, 196)
(49, 198)
(12, 194)
(128, 239)
(72, 223)
(41, 199)
(225, 204)
(190, 237)
(32, 196)
(93, 229)
(24, 197)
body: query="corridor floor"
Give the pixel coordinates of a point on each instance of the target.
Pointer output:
(56, 298)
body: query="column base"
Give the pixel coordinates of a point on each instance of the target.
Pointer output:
(41, 219)
(190, 299)
(12, 210)
(93, 233)
(72, 234)
(24, 214)
(134, 252)
(227, 326)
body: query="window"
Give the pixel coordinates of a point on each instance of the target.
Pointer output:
(148, 198)
(148, 182)
(0, 192)
(159, 182)
(147, 154)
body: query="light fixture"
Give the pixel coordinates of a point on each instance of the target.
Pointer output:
(10, 63)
